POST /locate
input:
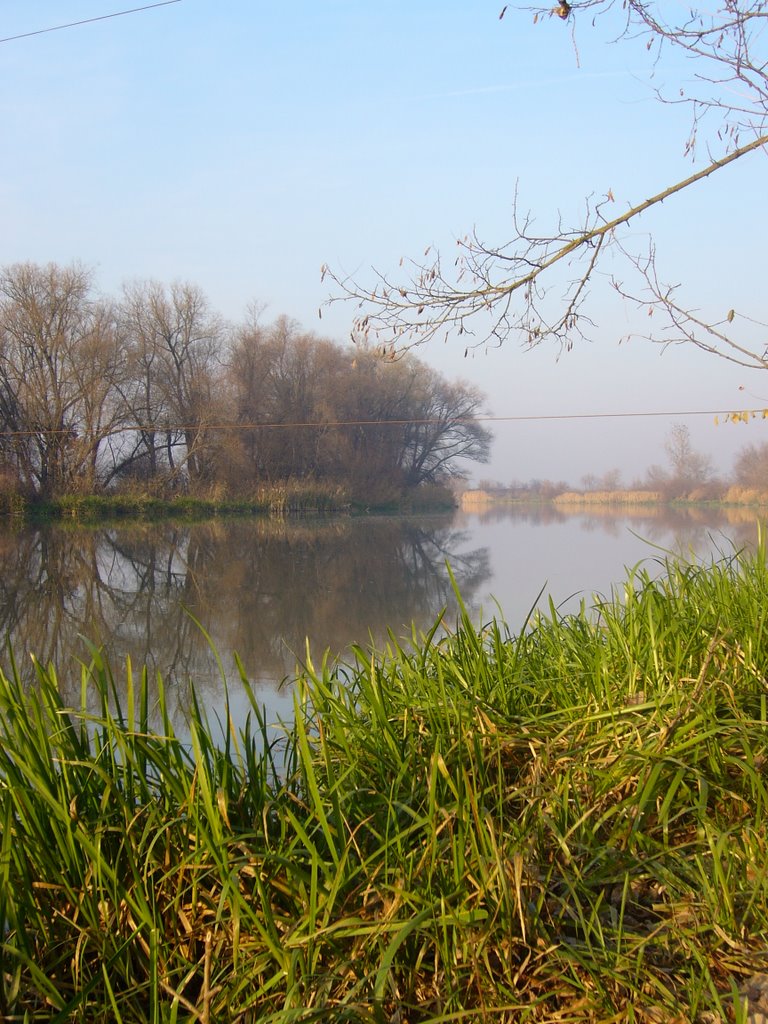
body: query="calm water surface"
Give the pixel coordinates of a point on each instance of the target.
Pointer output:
(263, 589)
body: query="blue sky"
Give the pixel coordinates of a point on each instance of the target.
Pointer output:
(242, 144)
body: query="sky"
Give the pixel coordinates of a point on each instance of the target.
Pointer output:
(241, 145)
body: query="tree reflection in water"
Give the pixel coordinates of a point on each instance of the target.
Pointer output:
(260, 588)
(690, 526)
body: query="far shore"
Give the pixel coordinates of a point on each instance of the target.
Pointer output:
(630, 498)
(293, 500)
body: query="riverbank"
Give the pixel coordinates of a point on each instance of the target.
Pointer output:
(565, 824)
(620, 499)
(291, 498)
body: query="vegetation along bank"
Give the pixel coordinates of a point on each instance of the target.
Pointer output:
(154, 393)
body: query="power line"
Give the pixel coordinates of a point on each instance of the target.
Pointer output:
(89, 21)
(735, 415)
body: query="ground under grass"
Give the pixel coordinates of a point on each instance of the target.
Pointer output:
(566, 824)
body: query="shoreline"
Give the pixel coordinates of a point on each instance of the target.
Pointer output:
(734, 497)
(273, 503)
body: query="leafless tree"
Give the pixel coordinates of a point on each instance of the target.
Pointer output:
(408, 425)
(689, 467)
(281, 378)
(174, 343)
(307, 407)
(534, 286)
(751, 466)
(610, 480)
(61, 360)
(689, 470)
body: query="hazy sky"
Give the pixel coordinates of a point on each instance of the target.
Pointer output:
(241, 144)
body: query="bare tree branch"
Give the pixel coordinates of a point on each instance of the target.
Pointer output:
(534, 287)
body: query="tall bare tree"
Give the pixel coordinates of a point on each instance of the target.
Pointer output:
(414, 424)
(534, 286)
(279, 376)
(689, 467)
(751, 466)
(60, 362)
(175, 342)
(310, 408)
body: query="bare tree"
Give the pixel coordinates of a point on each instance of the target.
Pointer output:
(610, 480)
(281, 379)
(535, 286)
(445, 430)
(307, 407)
(174, 343)
(408, 424)
(751, 466)
(61, 361)
(689, 467)
(689, 471)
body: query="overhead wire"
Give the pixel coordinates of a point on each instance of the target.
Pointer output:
(735, 415)
(89, 21)
(729, 413)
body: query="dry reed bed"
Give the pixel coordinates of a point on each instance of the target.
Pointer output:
(567, 824)
(609, 498)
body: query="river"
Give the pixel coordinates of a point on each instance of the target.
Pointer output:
(169, 596)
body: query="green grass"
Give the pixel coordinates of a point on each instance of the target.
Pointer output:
(567, 824)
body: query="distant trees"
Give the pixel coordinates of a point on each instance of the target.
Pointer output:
(535, 490)
(609, 481)
(689, 467)
(155, 390)
(751, 467)
(347, 414)
(688, 476)
(690, 472)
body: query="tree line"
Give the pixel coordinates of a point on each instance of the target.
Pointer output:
(154, 389)
(688, 474)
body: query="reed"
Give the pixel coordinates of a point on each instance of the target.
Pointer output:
(745, 496)
(564, 824)
(618, 497)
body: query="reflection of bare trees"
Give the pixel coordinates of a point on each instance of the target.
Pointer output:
(258, 587)
(120, 590)
(536, 513)
(687, 526)
(261, 588)
(684, 530)
(335, 583)
(46, 591)
(677, 528)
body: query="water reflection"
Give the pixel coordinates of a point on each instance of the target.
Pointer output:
(668, 518)
(260, 588)
(574, 552)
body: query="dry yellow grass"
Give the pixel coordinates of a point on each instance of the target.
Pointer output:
(476, 497)
(608, 498)
(745, 496)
